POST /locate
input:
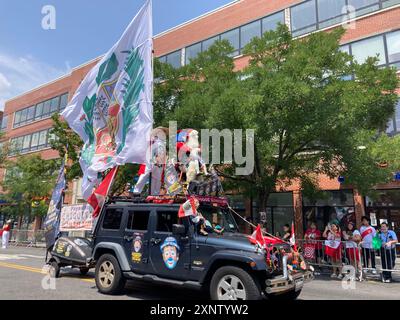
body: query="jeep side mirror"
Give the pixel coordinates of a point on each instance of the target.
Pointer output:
(178, 229)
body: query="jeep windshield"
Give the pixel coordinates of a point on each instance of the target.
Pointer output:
(218, 219)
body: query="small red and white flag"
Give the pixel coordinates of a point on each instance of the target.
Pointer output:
(98, 197)
(188, 208)
(258, 237)
(293, 238)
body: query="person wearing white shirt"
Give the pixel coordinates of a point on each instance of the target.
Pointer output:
(367, 234)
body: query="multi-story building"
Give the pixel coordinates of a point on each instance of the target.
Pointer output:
(372, 27)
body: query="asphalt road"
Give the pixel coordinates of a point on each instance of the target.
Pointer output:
(22, 278)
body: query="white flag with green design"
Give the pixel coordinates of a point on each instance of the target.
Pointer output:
(112, 109)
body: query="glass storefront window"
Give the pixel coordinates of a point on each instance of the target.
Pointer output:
(233, 38)
(393, 45)
(250, 31)
(372, 47)
(331, 205)
(271, 22)
(192, 52)
(280, 211)
(304, 18)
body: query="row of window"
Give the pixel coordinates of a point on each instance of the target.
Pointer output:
(313, 15)
(138, 220)
(238, 39)
(385, 46)
(305, 17)
(31, 142)
(40, 111)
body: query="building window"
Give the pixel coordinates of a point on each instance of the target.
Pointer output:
(330, 12)
(250, 31)
(364, 6)
(393, 46)
(192, 52)
(233, 38)
(330, 206)
(174, 59)
(279, 212)
(384, 206)
(209, 42)
(31, 142)
(271, 22)
(372, 47)
(63, 101)
(40, 111)
(389, 3)
(304, 18)
(4, 123)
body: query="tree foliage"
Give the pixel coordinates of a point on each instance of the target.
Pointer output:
(314, 109)
(28, 178)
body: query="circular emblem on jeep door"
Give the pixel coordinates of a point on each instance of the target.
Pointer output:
(170, 252)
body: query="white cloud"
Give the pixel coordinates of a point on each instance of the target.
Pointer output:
(4, 83)
(21, 74)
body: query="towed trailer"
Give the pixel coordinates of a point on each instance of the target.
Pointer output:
(74, 252)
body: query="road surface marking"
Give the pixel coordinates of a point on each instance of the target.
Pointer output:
(4, 257)
(38, 270)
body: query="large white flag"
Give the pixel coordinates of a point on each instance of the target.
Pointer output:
(112, 109)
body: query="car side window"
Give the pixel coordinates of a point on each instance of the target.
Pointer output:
(112, 219)
(165, 220)
(138, 220)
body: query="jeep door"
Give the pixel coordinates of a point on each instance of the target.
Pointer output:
(136, 238)
(169, 254)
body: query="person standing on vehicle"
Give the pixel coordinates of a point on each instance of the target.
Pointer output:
(367, 234)
(6, 234)
(388, 251)
(352, 237)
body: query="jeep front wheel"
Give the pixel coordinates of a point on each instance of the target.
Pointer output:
(109, 278)
(233, 283)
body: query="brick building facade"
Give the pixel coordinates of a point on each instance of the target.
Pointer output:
(373, 27)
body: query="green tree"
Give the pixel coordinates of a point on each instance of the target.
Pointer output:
(313, 108)
(28, 178)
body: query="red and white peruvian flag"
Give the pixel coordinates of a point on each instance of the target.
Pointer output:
(188, 208)
(332, 248)
(98, 197)
(258, 237)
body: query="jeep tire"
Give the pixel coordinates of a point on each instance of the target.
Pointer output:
(233, 283)
(108, 275)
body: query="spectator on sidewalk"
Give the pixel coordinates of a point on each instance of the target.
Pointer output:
(6, 234)
(333, 248)
(388, 251)
(352, 237)
(313, 240)
(367, 234)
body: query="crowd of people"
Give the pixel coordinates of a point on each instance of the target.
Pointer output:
(358, 247)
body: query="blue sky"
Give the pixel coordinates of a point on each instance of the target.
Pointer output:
(85, 29)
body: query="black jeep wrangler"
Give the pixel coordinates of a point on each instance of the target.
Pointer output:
(149, 242)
